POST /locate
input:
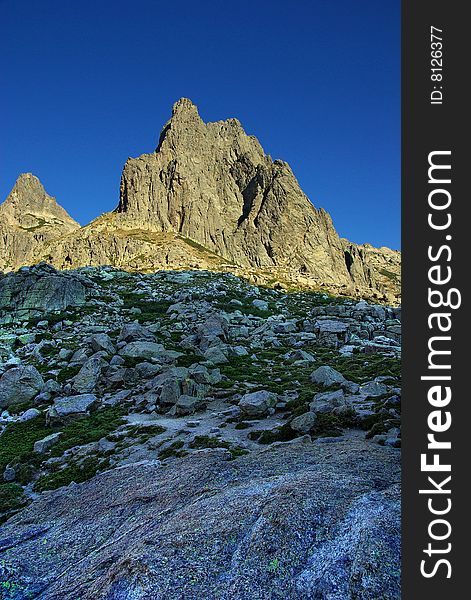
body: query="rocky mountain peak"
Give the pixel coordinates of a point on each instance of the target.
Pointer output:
(30, 218)
(29, 205)
(183, 107)
(207, 197)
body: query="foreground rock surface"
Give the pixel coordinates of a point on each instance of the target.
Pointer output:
(190, 435)
(295, 520)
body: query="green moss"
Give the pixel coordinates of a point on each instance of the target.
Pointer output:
(67, 373)
(206, 441)
(75, 472)
(11, 497)
(151, 310)
(278, 434)
(17, 441)
(173, 450)
(188, 359)
(382, 425)
(242, 425)
(51, 317)
(89, 429)
(364, 367)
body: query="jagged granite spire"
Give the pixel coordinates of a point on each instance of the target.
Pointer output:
(28, 218)
(213, 183)
(29, 205)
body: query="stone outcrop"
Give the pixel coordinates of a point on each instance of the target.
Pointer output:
(36, 291)
(209, 197)
(293, 521)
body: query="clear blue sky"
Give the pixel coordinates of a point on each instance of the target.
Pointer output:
(85, 84)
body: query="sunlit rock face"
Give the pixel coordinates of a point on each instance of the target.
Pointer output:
(207, 197)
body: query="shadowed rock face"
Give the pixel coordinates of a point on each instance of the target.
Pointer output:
(294, 521)
(37, 291)
(208, 197)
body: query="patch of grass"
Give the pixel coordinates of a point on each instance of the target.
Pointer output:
(243, 425)
(67, 373)
(390, 275)
(17, 441)
(89, 429)
(278, 434)
(173, 450)
(151, 310)
(246, 308)
(51, 317)
(331, 425)
(11, 497)
(382, 424)
(75, 472)
(188, 359)
(197, 246)
(364, 367)
(206, 441)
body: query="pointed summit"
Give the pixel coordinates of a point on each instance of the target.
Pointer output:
(29, 206)
(184, 125)
(29, 217)
(184, 106)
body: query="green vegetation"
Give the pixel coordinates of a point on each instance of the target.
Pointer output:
(188, 359)
(67, 373)
(88, 429)
(17, 441)
(390, 275)
(77, 472)
(278, 434)
(11, 497)
(173, 450)
(206, 441)
(242, 425)
(151, 310)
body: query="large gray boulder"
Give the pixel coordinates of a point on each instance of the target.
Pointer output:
(257, 404)
(169, 385)
(101, 342)
(42, 446)
(327, 376)
(71, 406)
(303, 423)
(293, 521)
(87, 378)
(36, 291)
(132, 332)
(19, 385)
(327, 401)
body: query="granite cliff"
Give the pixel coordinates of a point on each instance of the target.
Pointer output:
(207, 197)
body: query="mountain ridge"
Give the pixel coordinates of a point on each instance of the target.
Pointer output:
(209, 197)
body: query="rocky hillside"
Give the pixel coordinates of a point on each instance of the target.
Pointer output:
(190, 435)
(209, 197)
